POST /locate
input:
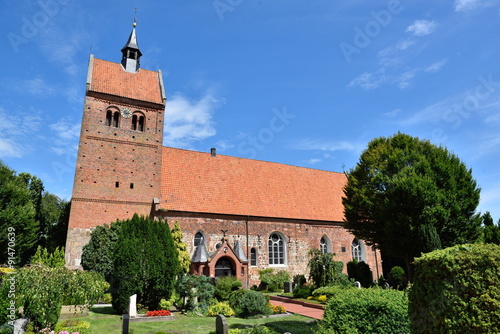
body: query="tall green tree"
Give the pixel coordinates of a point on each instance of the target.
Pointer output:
(145, 263)
(404, 188)
(491, 232)
(184, 258)
(17, 216)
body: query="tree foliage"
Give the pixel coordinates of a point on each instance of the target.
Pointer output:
(457, 290)
(145, 263)
(98, 255)
(324, 270)
(196, 291)
(491, 232)
(182, 249)
(404, 188)
(42, 290)
(52, 260)
(36, 216)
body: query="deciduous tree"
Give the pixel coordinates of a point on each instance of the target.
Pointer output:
(404, 188)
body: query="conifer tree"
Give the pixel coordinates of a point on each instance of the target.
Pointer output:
(184, 260)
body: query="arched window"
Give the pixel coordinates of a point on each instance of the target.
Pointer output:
(358, 250)
(109, 117)
(324, 245)
(253, 257)
(276, 249)
(198, 239)
(116, 119)
(138, 122)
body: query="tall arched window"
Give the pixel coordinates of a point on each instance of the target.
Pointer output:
(324, 245)
(138, 122)
(276, 249)
(116, 119)
(358, 250)
(198, 239)
(253, 257)
(109, 117)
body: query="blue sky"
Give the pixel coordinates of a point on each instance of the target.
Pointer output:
(296, 82)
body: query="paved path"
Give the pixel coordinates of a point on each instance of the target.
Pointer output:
(309, 310)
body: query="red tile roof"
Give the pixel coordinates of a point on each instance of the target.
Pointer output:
(111, 78)
(197, 182)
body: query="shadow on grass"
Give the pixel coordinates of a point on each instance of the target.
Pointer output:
(104, 310)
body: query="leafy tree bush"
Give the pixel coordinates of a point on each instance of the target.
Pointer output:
(367, 311)
(303, 291)
(361, 272)
(145, 263)
(457, 290)
(184, 258)
(98, 253)
(224, 286)
(401, 183)
(328, 291)
(220, 308)
(42, 290)
(397, 276)
(73, 326)
(248, 303)
(53, 260)
(197, 291)
(299, 280)
(324, 271)
(277, 279)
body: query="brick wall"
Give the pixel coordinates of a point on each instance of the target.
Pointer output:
(299, 236)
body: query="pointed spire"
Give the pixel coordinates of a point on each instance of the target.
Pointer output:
(238, 250)
(131, 54)
(200, 254)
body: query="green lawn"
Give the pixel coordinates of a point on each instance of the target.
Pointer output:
(104, 320)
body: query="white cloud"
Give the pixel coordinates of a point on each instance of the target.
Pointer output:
(370, 80)
(187, 121)
(404, 80)
(466, 5)
(388, 56)
(422, 28)
(436, 66)
(65, 130)
(16, 132)
(326, 145)
(312, 161)
(392, 113)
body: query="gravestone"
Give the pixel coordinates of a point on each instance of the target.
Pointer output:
(221, 325)
(19, 325)
(358, 284)
(132, 306)
(288, 287)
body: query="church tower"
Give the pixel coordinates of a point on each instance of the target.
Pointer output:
(118, 169)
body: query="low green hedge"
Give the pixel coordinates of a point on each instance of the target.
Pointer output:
(366, 311)
(457, 290)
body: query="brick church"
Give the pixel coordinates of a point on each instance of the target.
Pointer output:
(237, 215)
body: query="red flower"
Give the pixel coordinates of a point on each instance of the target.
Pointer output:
(158, 313)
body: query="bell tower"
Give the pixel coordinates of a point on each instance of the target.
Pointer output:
(118, 169)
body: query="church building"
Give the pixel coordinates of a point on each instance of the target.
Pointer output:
(237, 215)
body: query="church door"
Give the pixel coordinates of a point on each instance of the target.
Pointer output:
(224, 267)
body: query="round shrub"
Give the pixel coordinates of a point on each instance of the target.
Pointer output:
(248, 303)
(302, 291)
(224, 286)
(220, 308)
(367, 311)
(397, 276)
(457, 290)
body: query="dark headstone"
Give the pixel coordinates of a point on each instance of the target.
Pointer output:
(288, 287)
(125, 318)
(221, 325)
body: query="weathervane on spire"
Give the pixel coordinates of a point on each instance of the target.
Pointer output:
(135, 18)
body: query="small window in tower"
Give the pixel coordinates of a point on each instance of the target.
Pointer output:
(108, 118)
(131, 186)
(117, 184)
(134, 122)
(116, 119)
(141, 123)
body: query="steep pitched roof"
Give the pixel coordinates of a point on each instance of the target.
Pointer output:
(198, 182)
(110, 78)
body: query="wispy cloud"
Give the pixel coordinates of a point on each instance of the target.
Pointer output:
(16, 132)
(436, 66)
(466, 5)
(326, 145)
(422, 28)
(188, 121)
(312, 161)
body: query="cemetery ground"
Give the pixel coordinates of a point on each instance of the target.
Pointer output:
(106, 320)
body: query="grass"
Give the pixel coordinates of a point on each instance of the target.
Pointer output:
(104, 320)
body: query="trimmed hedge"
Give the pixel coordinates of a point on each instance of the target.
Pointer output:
(367, 311)
(457, 290)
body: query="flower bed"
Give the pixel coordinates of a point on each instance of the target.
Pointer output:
(158, 313)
